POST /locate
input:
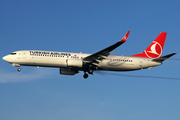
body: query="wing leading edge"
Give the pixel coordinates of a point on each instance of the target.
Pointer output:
(99, 56)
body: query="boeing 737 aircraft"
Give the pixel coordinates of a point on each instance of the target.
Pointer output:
(72, 63)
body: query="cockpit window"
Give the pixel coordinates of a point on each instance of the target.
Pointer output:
(12, 53)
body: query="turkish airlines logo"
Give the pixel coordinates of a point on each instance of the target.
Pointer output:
(154, 51)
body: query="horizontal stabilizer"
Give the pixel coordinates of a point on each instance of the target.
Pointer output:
(163, 57)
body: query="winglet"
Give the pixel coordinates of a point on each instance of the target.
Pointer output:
(125, 37)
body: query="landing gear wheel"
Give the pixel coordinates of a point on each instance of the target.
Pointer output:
(19, 69)
(85, 76)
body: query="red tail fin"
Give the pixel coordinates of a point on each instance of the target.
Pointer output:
(155, 48)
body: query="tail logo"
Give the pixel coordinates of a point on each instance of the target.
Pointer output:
(154, 51)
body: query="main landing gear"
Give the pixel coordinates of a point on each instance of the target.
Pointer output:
(86, 75)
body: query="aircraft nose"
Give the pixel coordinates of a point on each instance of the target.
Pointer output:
(5, 58)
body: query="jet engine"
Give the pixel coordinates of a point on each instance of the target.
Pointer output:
(67, 71)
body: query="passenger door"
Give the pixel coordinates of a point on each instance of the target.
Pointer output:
(24, 55)
(141, 62)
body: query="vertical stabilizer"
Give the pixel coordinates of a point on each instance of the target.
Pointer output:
(155, 48)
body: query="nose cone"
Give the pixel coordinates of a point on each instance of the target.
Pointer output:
(5, 58)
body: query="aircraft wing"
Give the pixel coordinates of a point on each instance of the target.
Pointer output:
(99, 56)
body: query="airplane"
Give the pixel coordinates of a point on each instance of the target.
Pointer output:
(71, 63)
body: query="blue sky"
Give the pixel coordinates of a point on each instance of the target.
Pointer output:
(88, 26)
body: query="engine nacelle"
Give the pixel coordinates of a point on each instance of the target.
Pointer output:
(67, 71)
(74, 63)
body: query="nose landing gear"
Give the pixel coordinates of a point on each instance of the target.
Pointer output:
(19, 69)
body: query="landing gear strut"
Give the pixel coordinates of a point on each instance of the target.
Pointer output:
(88, 70)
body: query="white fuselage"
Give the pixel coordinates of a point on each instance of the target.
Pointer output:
(59, 59)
